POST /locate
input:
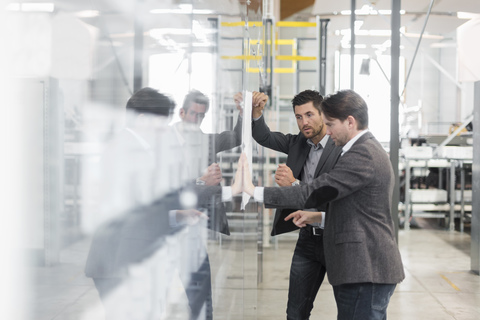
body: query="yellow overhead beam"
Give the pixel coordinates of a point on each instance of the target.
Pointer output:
(242, 24)
(249, 57)
(295, 58)
(298, 24)
(289, 42)
(275, 70)
(284, 70)
(283, 58)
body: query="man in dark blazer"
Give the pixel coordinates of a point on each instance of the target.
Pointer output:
(361, 254)
(310, 153)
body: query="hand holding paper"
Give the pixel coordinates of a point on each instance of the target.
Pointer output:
(259, 100)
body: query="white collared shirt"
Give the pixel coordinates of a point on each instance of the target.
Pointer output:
(350, 143)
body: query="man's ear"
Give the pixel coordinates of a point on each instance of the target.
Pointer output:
(352, 122)
(182, 113)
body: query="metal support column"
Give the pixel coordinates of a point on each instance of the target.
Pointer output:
(395, 101)
(462, 196)
(322, 57)
(407, 205)
(266, 85)
(217, 100)
(296, 81)
(352, 44)
(451, 191)
(138, 47)
(475, 231)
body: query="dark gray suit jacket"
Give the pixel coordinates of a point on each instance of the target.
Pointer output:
(297, 149)
(136, 234)
(359, 238)
(219, 142)
(129, 238)
(228, 139)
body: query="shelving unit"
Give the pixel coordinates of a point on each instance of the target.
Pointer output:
(436, 203)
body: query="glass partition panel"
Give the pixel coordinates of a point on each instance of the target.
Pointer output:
(124, 132)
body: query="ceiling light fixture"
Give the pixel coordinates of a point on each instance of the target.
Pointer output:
(366, 10)
(31, 7)
(467, 15)
(88, 14)
(184, 9)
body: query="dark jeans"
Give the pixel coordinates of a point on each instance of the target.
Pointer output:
(306, 275)
(363, 301)
(199, 292)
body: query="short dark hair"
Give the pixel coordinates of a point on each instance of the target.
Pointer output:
(307, 96)
(195, 96)
(148, 100)
(346, 103)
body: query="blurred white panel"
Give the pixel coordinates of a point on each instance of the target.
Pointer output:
(468, 51)
(30, 49)
(72, 51)
(247, 138)
(32, 158)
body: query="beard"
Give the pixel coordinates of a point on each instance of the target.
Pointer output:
(312, 133)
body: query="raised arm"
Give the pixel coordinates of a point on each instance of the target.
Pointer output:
(261, 132)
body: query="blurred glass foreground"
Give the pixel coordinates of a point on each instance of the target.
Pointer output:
(103, 204)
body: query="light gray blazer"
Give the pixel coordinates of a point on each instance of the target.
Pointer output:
(359, 236)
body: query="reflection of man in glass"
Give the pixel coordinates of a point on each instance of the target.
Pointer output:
(127, 208)
(195, 106)
(139, 202)
(192, 113)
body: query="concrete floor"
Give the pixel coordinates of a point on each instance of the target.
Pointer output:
(438, 282)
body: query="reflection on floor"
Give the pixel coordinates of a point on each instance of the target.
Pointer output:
(438, 282)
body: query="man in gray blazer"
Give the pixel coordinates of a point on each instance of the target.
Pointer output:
(193, 111)
(310, 153)
(361, 254)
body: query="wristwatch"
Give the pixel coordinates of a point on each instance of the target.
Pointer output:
(200, 182)
(296, 182)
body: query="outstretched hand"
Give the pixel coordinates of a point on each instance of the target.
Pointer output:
(302, 218)
(243, 178)
(190, 216)
(238, 98)
(259, 100)
(237, 186)
(212, 175)
(248, 186)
